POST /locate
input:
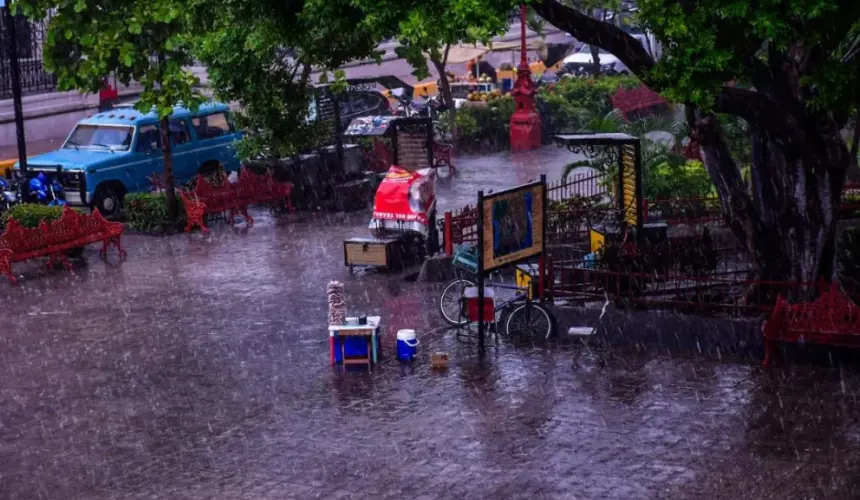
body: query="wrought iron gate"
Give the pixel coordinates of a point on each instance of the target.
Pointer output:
(31, 37)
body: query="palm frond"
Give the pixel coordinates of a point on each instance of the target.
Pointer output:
(570, 167)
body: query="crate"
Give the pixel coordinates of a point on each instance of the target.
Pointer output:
(439, 361)
(372, 252)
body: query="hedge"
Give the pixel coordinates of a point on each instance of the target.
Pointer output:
(31, 214)
(147, 212)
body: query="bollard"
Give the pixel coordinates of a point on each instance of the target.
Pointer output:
(449, 233)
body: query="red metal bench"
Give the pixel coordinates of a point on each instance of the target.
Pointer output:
(443, 155)
(72, 230)
(250, 188)
(831, 319)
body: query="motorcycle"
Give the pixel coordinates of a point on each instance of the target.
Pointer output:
(8, 195)
(45, 191)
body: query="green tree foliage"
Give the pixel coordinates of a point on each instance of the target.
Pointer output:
(787, 69)
(148, 42)
(262, 54)
(427, 30)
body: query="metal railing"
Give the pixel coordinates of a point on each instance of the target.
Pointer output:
(31, 37)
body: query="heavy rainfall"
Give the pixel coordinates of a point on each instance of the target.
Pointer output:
(249, 314)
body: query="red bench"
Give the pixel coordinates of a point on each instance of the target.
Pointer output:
(250, 188)
(831, 319)
(443, 155)
(55, 239)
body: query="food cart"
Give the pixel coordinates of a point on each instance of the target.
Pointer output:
(404, 207)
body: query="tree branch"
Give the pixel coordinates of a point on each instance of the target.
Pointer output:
(593, 32)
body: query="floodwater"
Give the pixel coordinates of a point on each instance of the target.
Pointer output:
(198, 369)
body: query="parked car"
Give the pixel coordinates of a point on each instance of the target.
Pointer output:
(581, 62)
(118, 152)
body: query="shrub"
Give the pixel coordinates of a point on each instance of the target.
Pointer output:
(566, 106)
(480, 126)
(666, 180)
(31, 214)
(591, 94)
(148, 211)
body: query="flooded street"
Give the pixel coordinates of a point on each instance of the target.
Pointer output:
(198, 369)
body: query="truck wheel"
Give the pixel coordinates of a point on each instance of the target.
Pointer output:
(108, 200)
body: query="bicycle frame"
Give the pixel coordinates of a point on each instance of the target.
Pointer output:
(522, 294)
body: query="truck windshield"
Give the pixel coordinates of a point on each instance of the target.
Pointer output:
(100, 136)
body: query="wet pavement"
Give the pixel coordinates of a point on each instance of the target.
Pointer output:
(198, 369)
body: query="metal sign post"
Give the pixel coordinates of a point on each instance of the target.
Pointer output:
(523, 206)
(480, 272)
(15, 75)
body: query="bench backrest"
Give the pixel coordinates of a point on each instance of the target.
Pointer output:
(832, 311)
(71, 225)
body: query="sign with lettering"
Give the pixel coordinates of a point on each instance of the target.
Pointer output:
(360, 87)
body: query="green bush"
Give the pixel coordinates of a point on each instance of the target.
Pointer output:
(594, 95)
(566, 106)
(31, 214)
(479, 126)
(666, 180)
(148, 211)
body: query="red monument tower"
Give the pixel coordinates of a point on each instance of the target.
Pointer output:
(525, 122)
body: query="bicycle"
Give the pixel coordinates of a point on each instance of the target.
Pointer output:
(520, 316)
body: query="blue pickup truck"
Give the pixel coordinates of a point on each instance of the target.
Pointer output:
(117, 152)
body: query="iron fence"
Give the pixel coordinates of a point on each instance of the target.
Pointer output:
(582, 185)
(704, 294)
(31, 37)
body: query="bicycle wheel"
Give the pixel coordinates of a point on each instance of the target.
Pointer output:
(451, 302)
(530, 320)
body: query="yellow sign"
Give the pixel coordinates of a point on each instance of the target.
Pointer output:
(596, 239)
(524, 280)
(628, 171)
(513, 225)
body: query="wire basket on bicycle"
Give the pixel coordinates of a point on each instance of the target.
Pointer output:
(466, 257)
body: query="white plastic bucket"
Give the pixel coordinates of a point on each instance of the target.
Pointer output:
(407, 345)
(472, 293)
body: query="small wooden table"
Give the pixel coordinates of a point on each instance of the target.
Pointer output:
(370, 332)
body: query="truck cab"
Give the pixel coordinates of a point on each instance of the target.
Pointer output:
(117, 152)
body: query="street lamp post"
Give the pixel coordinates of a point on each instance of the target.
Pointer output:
(15, 77)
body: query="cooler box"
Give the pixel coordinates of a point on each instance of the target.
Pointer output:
(471, 298)
(407, 345)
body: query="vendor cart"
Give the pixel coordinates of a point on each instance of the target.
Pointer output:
(405, 202)
(404, 208)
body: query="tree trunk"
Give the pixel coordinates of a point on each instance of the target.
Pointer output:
(595, 60)
(787, 220)
(446, 92)
(169, 184)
